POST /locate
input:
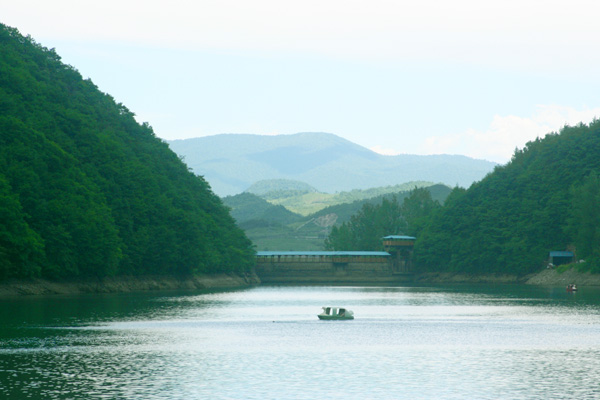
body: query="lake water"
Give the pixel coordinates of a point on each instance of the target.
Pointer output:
(442, 342)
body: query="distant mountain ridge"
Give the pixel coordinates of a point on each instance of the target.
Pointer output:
(231, 163)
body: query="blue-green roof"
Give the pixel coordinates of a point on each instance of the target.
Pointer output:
(561, 254)
(399, 237)
(324, 253)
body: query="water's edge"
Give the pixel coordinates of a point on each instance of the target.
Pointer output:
(123, 284)
(546, 277)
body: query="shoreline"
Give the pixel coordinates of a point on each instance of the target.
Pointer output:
(448, 277)
(546, 277)
(128, 284)
(570, 276)
(125, 284)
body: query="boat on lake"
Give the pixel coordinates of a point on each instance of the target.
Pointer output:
(336, 313)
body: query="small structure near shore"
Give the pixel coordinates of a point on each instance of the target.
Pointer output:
(556, 258)
(401, 250)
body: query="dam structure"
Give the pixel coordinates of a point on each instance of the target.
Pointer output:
(339, 267)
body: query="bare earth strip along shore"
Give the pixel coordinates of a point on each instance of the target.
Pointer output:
(126, 284)
(547, 277)
(553, 277)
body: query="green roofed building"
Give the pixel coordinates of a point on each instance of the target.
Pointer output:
(561, 257)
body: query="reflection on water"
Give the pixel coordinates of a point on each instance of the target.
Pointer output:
(457, 342)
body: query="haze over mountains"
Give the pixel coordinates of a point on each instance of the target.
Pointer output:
(233, 162)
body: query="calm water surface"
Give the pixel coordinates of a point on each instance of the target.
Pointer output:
(445, 342)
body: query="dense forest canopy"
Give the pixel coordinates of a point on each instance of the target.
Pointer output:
(86, 191)
(546, 198)
(345, 211)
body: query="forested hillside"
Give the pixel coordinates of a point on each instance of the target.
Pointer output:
(273, 227)
(248, 208)
(86, 191)
(345, 211)
(546, 198)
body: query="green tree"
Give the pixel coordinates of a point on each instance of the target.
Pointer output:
(21, 248)
(584, 221)
(417, 208)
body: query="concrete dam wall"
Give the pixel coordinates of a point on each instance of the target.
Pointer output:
(330, 268)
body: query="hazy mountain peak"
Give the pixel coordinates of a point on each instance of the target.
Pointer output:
(233, 162)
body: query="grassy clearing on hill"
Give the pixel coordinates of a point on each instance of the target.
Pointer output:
(310, 203)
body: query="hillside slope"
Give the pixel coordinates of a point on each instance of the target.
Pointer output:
(547, 198)
(273, 227)
(86, 191)
(233, 162)
(246, 207)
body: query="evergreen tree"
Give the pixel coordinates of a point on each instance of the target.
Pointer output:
(584, 221)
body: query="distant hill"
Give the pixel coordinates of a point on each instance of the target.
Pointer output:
(87, 192)
(280, 188)
(231, 163)
(247, 207)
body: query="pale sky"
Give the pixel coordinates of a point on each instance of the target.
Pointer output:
(472, 77)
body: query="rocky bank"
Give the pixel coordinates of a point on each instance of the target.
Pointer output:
(546, 277)
(126, 284)
(552, 277)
